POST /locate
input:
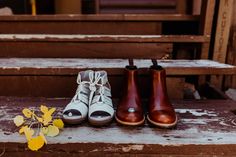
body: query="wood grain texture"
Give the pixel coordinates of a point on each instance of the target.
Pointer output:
(65, 86)
(84, 50)
(102, 17)
(207, 13)
(222, 36)
(104, 38)
(70, 66)
(81, 27)
(205, 128)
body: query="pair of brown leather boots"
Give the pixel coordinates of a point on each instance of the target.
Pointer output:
(160, 111)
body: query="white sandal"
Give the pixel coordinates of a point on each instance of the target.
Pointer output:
(77, 110)
(101, 111)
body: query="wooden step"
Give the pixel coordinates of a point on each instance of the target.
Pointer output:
(102, 17)
(89, 24)
(204, 128)
(142, 24)
(92, 46)
(138, 3)
(105, 38)
(62, 66)
(57, 77)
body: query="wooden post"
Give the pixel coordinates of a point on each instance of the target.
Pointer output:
(222, 37)
(181, 6)
(97, 6)
(197, 7)
(33, 7)
(68, 7)
(207, 13)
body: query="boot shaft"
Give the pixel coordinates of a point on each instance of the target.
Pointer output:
(131, 83)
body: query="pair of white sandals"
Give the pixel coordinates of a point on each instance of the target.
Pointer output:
(92, 100)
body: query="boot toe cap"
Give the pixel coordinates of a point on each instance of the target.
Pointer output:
(130, 118)
(163, 117)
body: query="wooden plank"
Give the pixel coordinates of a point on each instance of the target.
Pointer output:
(181, 6)
(81, 27)
(137, 11)
(222, 30)
(138, 3)
(59, 66)
(205, 128)
(230, 81)
(104, 38)
(65, 86)
(222, 36)
(207, 12)
(196, 7)
(102, 17)
(63, 7)
(84, 50)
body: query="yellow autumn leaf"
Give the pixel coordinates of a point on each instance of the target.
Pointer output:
(58, 123)
(39, 119)
(18, 120)
(47, 116)
(51, 110)
(36, 143)
(43, 108)
(52, 131)
(44, 130)
(46, 119)
(27, 113)
(22, 129)
(42, 135)
(28, 133)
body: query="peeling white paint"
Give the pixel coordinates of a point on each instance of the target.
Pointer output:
(197, 112)
(125, 136)
(74, 36)
(18, 63)
(199, 121)
(132, 147)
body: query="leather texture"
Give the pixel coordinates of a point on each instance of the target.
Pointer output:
(129, 109)
(161, 111)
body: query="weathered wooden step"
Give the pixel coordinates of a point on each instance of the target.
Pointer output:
(105, 38)
(92, 46)
(57, 77)
(205, 128)
(71, 66)
(90, 24)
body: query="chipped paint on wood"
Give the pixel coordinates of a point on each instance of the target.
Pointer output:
(104, 38)
(102, 63)
(71, 66)
(197, 112)
(205, 126)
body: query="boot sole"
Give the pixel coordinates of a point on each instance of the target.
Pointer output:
(130, 123)
(161, 125)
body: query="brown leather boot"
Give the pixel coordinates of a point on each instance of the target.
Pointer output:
(129, 110)
(161, 111)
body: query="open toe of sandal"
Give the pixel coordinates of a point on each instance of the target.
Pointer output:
(75, 113)
(100, 114)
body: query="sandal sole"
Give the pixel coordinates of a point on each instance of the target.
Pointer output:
(100, 123)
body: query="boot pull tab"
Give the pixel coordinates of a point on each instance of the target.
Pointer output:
(131, 62)
(155, 65)
(154, 62)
